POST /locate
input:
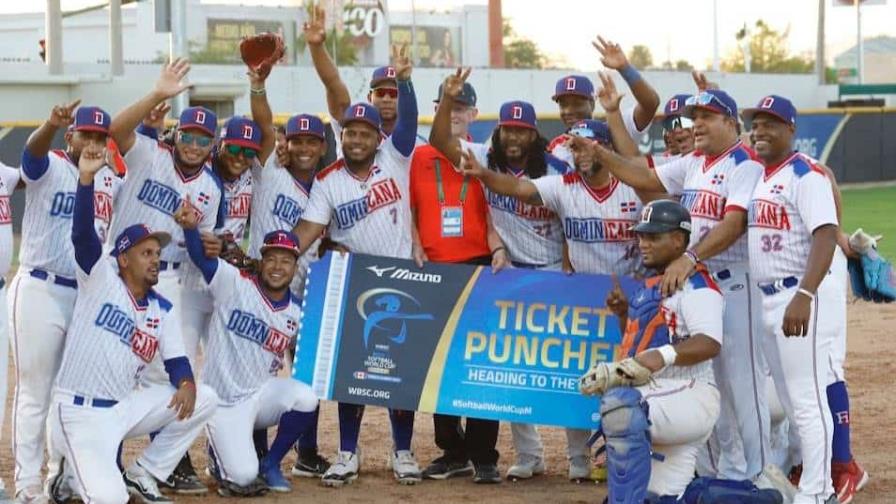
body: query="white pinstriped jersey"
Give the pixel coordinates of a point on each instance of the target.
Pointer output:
(370, 216)
(9, 177)
(248, 336)
(154, 189)
(278, 201)
(695, 309)
(532, 234)
(47, 221)
(790, 201)
(112, 337)
(238, 202)
(563, 153)
(596, 223)
(709, 187)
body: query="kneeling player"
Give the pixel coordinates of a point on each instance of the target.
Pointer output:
(662, 397)
(254, 320)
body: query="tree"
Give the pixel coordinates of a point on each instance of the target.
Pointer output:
(520, 52)
(683, 66)
(640, 57)
(768, 52)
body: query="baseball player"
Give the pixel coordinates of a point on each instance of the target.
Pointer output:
(255, 320)
(9, 180)
(574, 95)
(662, 397)
(793, 230)
(43, 292)
(678, 130)
(715, 182)
(120, 324)
(159, 177)
(363, 199)
(383, 94)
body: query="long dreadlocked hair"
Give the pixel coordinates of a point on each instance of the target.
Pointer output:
(536, 166)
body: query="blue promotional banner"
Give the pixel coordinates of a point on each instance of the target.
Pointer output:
(455, 339)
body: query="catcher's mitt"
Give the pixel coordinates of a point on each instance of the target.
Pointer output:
(261, 52)
(605, 375)
(234, 255)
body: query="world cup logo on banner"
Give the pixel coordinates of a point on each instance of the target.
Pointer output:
(386, 314)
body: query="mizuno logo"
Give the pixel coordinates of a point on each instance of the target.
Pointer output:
(379, 271)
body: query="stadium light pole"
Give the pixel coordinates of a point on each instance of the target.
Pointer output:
(178, 49)
(715, 35)
(116, 53)
(820, 67)
(53, 29)
(860, 47)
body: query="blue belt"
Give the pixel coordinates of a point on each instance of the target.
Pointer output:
(527, 265)
(778, 286)
(58, 280)
(165, 265)
(96, 403)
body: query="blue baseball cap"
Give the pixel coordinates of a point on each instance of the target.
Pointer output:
(91, 119)
(281, 239)
(363, 112)
(305, 124)
(467, 96)
(199, 118)
(383, 74)
(675, 105)
(242, 131)
(132, 235)
(577, 85)
(593, 129)
(714, 100)
(517, 113)
(775, 105)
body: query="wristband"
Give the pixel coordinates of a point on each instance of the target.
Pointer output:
(630, 74)
(692, 256)
(497, 249)
(806, 293)
(257, 92)
(669, 354)
(188, 383)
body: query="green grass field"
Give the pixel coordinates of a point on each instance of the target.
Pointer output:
(872, 209)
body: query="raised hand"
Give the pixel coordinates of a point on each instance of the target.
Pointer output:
(401, 60)
(63, 115)
(315, 28)
(186, 216)
(156, 117)
(469, 165)
(616, 300)
(702, 82)
(92, 160)
(453, 85)
(170, 82)
(607, 95)
(611, 55)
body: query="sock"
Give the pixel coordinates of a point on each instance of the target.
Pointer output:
(838, 402)
(402, 428)
(292, 425)
(349, 426)
(260, 439)
(308, 440)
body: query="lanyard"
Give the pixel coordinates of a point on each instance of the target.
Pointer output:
(463, 188)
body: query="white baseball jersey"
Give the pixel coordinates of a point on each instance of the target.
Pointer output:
(709, 187)
(695, 309)
(532, 234)
(370, 216)
(47, 221)
(113, 337)
(791, 200)
(563, 153)
(249, 334)
(9, 178)
(278, 202)
(237, 202)
(597, 223)
(154, 189)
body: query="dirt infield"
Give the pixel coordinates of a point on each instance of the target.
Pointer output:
(870, 372)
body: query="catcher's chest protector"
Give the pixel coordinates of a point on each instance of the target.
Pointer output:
(646, 327)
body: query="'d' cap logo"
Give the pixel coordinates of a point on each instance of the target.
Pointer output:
(304, 124)
(247, 132)
(571, 84)
(200, 116)
(390, 72)
(359, 111)
(97, 117)
(767, 102)
(673, 105)
(517, 112)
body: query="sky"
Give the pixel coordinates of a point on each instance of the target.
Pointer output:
(673, 30)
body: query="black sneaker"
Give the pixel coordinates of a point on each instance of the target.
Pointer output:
(310, 464)
(60, 491)
(143, 486)
(487, 473)
(444, 468)
(183, 480)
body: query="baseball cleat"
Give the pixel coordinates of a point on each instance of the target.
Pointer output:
(183, 480)
(405, 468)
(526, 466)
(443, 468)
(486, 474)
(849, 478)
(142, 485)
(344, 471)
(310, 464)
(273, 477)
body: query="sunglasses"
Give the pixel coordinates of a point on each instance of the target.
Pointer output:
(235, 150)
(705, 98)
(200, 140)
(673, 123)
(384, 92)
(587, 133)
